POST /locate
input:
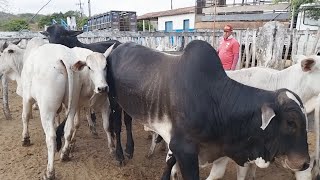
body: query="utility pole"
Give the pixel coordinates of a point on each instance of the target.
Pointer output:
(171, 4)
(89, 8)
(81, 9)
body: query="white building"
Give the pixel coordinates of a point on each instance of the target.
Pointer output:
(175, 20)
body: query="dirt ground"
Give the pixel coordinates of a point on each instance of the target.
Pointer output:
(90, 159)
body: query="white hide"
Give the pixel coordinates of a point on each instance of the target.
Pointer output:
(47, 79)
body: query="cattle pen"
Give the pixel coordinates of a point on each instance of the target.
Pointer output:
(271, 46)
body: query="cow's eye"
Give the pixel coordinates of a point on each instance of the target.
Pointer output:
(292, 124)
(89, 67)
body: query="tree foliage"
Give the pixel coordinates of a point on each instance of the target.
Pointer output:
(146, 23)
(16, 25)
(47, 20)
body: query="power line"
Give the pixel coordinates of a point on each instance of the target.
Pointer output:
(80, 6)
(35, 15)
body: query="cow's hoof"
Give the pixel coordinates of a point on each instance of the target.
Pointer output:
(149, 155)
(93, 131)
(112, 151)
(26, 142)
(35, 107)
(48, 176)
(120, 163)
(128, 153)
(65, 158)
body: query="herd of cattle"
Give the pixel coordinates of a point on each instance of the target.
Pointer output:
(204, 114)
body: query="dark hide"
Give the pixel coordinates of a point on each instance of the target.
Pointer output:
(206, 108)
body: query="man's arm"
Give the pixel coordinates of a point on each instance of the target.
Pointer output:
(235, 50)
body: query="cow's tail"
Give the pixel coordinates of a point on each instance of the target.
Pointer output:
(70, 86)
(60, 129)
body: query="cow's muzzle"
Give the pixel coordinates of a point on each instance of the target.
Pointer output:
(297, 164)
(102, 89)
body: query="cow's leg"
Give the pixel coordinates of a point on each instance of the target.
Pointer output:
(26, 113)
(174, 172)
(47, 120)
(130, 144)
(218, 168)
(153, 145)
(68, 131)
(249, 171)
(105, 112)
(115, 117)
(57, 120)
(186, 154)
(170, 161)
(76, 127)
(92, 125)
(117, 129)
(5, 102)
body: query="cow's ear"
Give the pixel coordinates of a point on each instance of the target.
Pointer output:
(307, 64)
(78, 66)
(5, 45)
(74, 33)
(267, 113)
(16, 42)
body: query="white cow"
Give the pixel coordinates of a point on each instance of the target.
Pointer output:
(12, 64)
(48, 78)
(301, 78)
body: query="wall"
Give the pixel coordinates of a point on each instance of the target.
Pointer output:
(177, 22)
(235, 25)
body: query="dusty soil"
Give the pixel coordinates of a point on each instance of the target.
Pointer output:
(90, 159)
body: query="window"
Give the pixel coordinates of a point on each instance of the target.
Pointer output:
(168, 26)
(186, 25)
(308, 20)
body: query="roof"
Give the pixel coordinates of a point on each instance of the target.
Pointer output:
(172, 12)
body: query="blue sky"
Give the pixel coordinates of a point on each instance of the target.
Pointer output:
(97, 6)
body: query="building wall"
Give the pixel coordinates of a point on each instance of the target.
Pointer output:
(177, 22)
(234, 24)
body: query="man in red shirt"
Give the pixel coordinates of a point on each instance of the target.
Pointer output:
(228, 49)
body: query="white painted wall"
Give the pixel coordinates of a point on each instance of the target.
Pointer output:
(177, 21)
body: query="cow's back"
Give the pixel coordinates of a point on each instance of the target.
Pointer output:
(141, 75)
(101, 47)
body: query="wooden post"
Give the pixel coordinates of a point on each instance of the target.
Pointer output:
(314, 47)
(246, 48)
(305, 45)
(253, 47)
(143, 26)
(287, 47)
(295, 41)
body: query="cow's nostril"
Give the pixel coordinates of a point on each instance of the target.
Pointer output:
(102, 89)
(305, 166)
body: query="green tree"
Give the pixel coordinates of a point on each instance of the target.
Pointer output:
(16, 25)
(47, 20)
(146, 23)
